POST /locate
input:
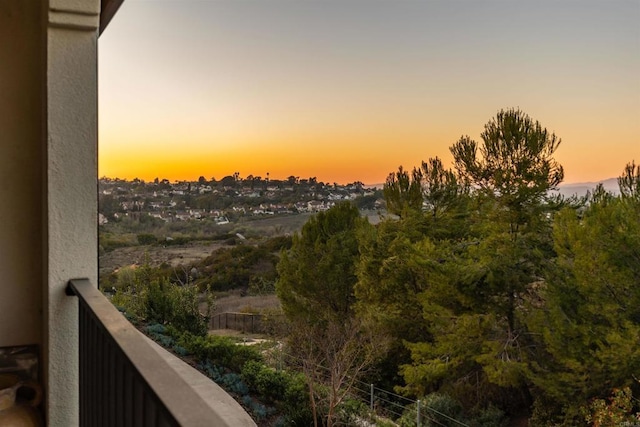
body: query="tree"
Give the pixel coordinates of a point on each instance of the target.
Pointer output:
(401, 259)
(228, 181)
(514, 165)
(440, 186)
(428, 189)
(590, 325)
(479, 347)
(629, 181)
(514, 171)
(315, 289)
(333, 357)
(318, 273)
(403, 192)
(108, 205)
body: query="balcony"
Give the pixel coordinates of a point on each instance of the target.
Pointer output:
(128, 380)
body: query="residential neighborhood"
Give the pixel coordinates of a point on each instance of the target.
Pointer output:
(226, 200)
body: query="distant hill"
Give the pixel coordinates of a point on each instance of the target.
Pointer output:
(580, 189)
(567, 189)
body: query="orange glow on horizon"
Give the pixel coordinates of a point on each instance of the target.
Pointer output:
(255, 87)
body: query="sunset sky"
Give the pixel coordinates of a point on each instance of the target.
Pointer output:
(349, 90)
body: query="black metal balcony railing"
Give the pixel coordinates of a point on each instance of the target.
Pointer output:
(124, 381)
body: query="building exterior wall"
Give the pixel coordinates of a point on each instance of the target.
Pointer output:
(48, 191)
(48, 187)
(71, 192)
(21, 176)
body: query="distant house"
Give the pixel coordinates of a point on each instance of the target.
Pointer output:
(222, 220)
(163, 216)
(316, 206)
(182, 215)
(196, 213)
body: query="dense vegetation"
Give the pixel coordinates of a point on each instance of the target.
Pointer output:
(486, 289)
(482, 294)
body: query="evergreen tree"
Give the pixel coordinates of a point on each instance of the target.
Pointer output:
(479, 346)
(317, 275)
(403, 192)
(591, 322)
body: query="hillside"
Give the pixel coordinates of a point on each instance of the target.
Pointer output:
(580, 188)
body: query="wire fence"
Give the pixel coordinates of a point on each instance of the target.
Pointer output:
(389, 405)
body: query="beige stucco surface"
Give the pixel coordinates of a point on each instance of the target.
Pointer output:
(21, 186)
(71, 197)
(48, 168)
(48, 192)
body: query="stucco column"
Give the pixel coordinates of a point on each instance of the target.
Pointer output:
(71, 192)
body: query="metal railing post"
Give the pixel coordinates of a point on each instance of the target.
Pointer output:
(371, 403)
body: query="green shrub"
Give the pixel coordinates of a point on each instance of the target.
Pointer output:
(238, 267)
(269, 383)
(352, 410)
(149, 297)
(147, 239)
(287, 390)
(296, 406)
(219, 350)
(278, 243)
(125, 278)
(177, 241)
(109, 242)
(489, 417)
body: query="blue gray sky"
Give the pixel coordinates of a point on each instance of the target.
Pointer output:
(349, 90)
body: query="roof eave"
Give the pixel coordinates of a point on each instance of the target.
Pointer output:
(108, 9)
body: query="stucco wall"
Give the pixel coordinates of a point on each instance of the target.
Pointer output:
(48, 171)
(71, 192)
(21, 181)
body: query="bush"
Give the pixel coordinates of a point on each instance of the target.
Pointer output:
(288, 391)
(177, 241)
(219, 350)
(278, 243)
(490, 417)
(146, 239)
(351, 411)
(233, 383)
(149, 297)
(109, 242)
(296, 405)
(269, 383)
(238, 267)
